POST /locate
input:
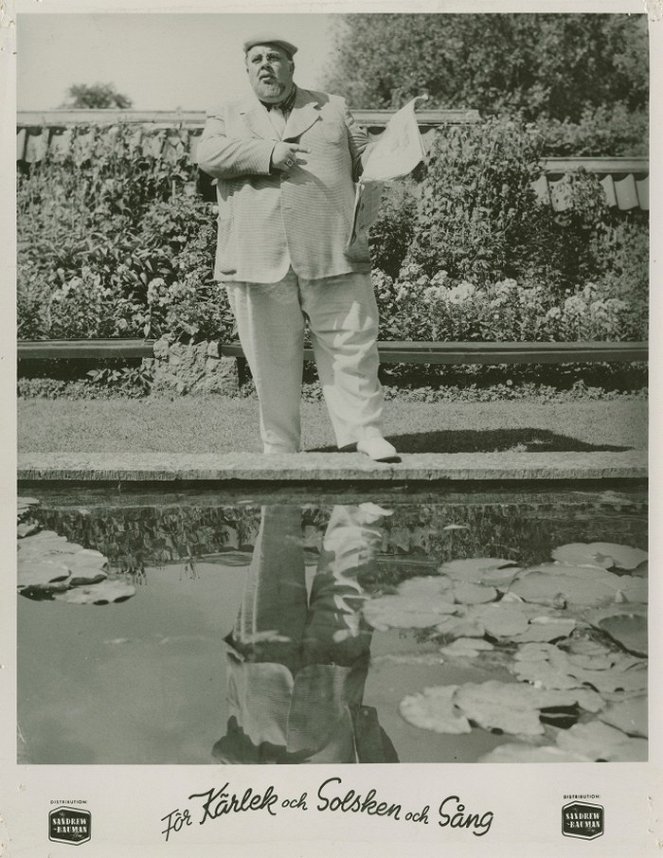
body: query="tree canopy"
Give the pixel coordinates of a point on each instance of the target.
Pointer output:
(545, 65)
(100, 96)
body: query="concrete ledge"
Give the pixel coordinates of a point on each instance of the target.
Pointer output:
(312, 467)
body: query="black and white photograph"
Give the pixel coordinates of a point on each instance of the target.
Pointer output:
(333, 410)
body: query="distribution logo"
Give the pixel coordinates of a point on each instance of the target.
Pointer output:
(69, 825)
(582, 819)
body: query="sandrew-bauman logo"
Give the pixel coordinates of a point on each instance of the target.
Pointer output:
(582, 819)
(69, 825)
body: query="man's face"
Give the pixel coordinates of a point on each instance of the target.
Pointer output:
(270, 72)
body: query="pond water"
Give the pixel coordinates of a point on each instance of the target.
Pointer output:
(237, 626)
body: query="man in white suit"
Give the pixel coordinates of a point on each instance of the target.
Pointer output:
(286, 160)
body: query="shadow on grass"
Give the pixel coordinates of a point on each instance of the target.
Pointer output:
(489, 441)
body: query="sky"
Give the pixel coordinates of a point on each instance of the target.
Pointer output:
(161, 61)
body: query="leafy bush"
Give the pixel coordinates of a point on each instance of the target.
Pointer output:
(417, 306)
(98, 226)
(608, 130)
(479, 217)
(393, 231)
(111, 244)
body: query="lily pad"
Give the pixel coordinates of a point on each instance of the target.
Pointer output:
(466, 648)
(603, 554)
(633, 590)
(37, 545)
(406, 611)
(26, 528)
(559, 670)
(601, 742)
(500, 620)
(519, 753)
(460, 626)
(628, 630)
(629, 716)
(546, 629)
(104, 593)
(43, 575)
(467, 593)
(433, 709)
(512, 707)
(561, 584)
(480, 570)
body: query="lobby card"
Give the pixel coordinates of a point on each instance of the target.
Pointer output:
(99, 767)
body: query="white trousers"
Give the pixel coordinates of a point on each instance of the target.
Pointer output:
(342, 317)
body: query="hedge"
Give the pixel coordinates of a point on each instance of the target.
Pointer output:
(111, 244)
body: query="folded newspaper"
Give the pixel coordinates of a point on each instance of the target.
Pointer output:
(397, 152)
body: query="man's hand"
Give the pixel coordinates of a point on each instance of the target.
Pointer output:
(285, 155)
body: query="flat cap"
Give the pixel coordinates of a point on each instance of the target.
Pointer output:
(270, 39)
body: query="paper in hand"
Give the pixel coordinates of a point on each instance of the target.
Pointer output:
(396, 153)
(398, 150)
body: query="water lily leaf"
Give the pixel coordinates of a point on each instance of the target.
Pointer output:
(467, 593)
(518, 753)
(41, 542)
(629, 631)
(641, 571)
(630, 716)
(533, 652)
(433, 709)
(26, 528)
(426, 587)
(600, 741)
(85, 576)
(604, 554)
(460, 627)
(590, 700)
(558, 670)
(546, 629)
(500, 620)
(581, 554)
(512, 707)
(480, 570)
(103, 593)
(87, 559)
(405, 611)
(43, 575)
(560, 584)
(634, 590)
(466, 648)
(33, 546)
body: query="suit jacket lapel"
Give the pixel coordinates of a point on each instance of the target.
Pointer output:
(305, 111)
(257, 119)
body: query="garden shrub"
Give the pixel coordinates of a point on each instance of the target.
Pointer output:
(111, 244)
(417, 306)
(612, 131)
(479, 218)
(393, 231)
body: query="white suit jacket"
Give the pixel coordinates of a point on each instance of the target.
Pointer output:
(269, 221)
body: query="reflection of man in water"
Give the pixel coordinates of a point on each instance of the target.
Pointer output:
(298, 660)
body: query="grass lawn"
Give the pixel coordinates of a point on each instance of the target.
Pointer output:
(221, 425)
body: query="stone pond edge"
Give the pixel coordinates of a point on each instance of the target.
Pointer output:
(312, 467)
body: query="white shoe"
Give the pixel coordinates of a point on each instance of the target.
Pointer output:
(378, 448)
